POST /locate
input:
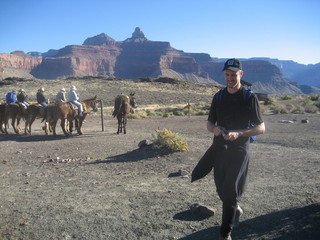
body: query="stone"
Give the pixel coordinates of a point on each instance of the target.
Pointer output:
(144, 143)
(200, 209)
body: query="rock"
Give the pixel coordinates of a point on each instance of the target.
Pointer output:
(285, 121)
(144, 143)
(138, 33)
(305, 121)
(183, 172)
(197, 208)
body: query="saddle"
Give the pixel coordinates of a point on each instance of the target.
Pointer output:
(22, 105)
(75, 109)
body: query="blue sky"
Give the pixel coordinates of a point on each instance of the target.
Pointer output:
(283, 29)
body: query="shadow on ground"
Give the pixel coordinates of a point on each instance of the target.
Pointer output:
(289, 224)
(139, 154)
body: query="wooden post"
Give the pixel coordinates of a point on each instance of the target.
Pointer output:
(101, 109)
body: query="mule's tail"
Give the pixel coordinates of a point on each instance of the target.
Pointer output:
(117, 106)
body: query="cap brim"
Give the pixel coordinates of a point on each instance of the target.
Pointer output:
(235, 69)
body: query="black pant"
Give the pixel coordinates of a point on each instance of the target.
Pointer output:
(231, 161)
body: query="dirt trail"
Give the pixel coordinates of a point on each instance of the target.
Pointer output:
(102, 186)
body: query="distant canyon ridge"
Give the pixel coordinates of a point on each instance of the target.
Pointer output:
(138, 57)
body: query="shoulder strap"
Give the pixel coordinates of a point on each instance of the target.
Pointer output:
(219, 94)
(247, 94)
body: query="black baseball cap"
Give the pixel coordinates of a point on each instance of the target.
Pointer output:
(232, 64)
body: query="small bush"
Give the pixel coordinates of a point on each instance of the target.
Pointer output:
(315, 98)
(170, 140)
(289, 107)
(202, 112)
(167, 114)
(269, 101)
(286, 97)
(298, 109)
(178, 112)
(310, 108)
(317, 104)
(137, 115)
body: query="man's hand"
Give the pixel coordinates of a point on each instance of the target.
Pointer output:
(231, 136)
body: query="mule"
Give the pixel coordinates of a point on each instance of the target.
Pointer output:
(51, 118)
(13, 111)
(2, 117)
(34, 111)
(68, 114)
(123, 105)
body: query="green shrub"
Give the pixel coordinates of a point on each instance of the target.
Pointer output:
(170, 140)
(202, 112)
(317, 104)
(310, 108)
(137, 115)
(298, 109)
(315, 98)
(286, 97)
(167, 114)
(289, 107)
(269, 101)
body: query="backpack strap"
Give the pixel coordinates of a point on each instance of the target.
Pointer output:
(219, 94)
(247, 94)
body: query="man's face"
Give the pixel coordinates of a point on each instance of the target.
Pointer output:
(233, 78)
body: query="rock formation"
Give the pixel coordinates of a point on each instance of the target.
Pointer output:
(136, 57)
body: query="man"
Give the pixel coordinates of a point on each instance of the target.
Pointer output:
(41, 99)
(23, 98)
(11, 97)
(61, 96)
(73, 97)
(228, 120)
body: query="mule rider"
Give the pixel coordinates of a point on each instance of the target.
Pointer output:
(41, 98)
(23, 98)
(61, 96)
(73, 97)
(11, 97)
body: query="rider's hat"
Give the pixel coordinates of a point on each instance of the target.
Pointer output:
(41, 89)
(62, 89)
(21, 90)
(73, 88)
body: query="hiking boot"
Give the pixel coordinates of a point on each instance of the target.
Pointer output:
(239, 212)
(226, 237)
(81, 114)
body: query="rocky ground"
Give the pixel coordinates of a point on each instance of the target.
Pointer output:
(103, 186)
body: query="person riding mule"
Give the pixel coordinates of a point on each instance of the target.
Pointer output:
(67, 115)
(41, 99)
(73, 98)
(22, 99)
(123, 105)
(61, 96)
(11, 97)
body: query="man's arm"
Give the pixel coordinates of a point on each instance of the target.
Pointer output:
(253, 131)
